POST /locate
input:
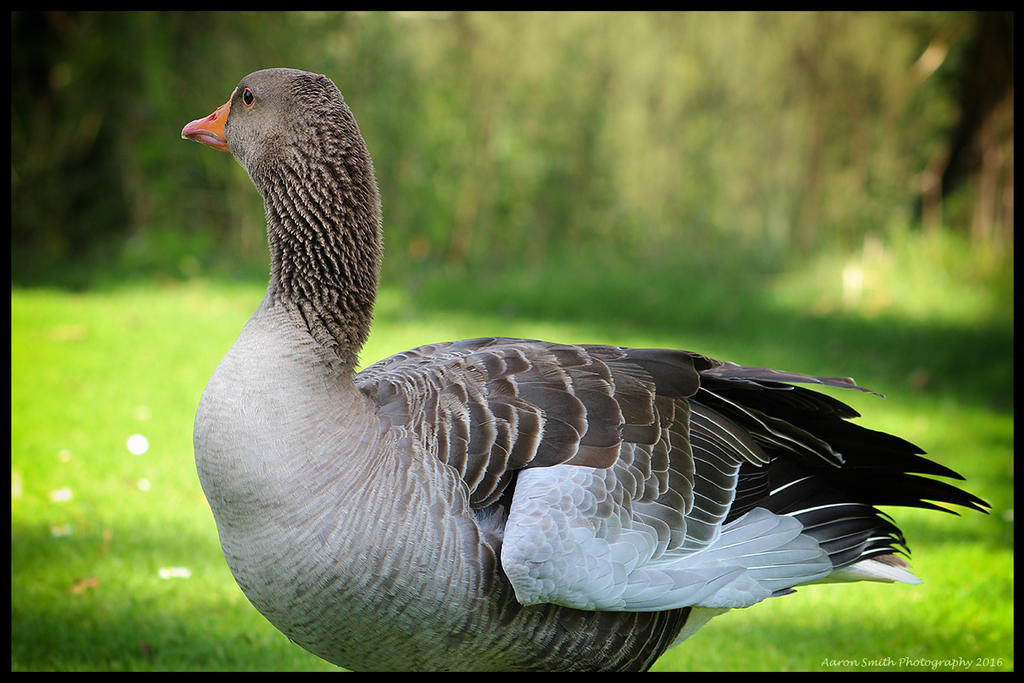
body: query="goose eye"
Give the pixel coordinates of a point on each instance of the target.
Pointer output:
(248, 97)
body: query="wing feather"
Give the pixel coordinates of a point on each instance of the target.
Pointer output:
(490, 407)
(650, 479)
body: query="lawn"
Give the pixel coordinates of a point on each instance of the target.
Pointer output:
(115, 559)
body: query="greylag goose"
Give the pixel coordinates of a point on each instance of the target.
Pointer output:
(503, 504)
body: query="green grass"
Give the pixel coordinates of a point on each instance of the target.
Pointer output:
(91, 369)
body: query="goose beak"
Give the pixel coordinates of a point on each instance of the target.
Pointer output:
(210, 130)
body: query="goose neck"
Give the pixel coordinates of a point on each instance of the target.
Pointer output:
(325, 251)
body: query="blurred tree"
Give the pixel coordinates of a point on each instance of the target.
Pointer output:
(980, 148)
(65, 182)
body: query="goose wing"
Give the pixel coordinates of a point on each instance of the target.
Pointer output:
(652, 479)
(491, 407)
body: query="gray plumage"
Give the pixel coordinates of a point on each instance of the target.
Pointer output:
(503, 504)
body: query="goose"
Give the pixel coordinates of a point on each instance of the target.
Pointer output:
(504, 504)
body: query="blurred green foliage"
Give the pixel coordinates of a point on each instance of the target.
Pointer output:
(501, 137)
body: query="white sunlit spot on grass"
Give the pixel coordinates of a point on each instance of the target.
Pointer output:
(137, 444)
(175, 573)
(61, 495)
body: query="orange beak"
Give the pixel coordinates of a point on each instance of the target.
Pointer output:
(210, 131)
